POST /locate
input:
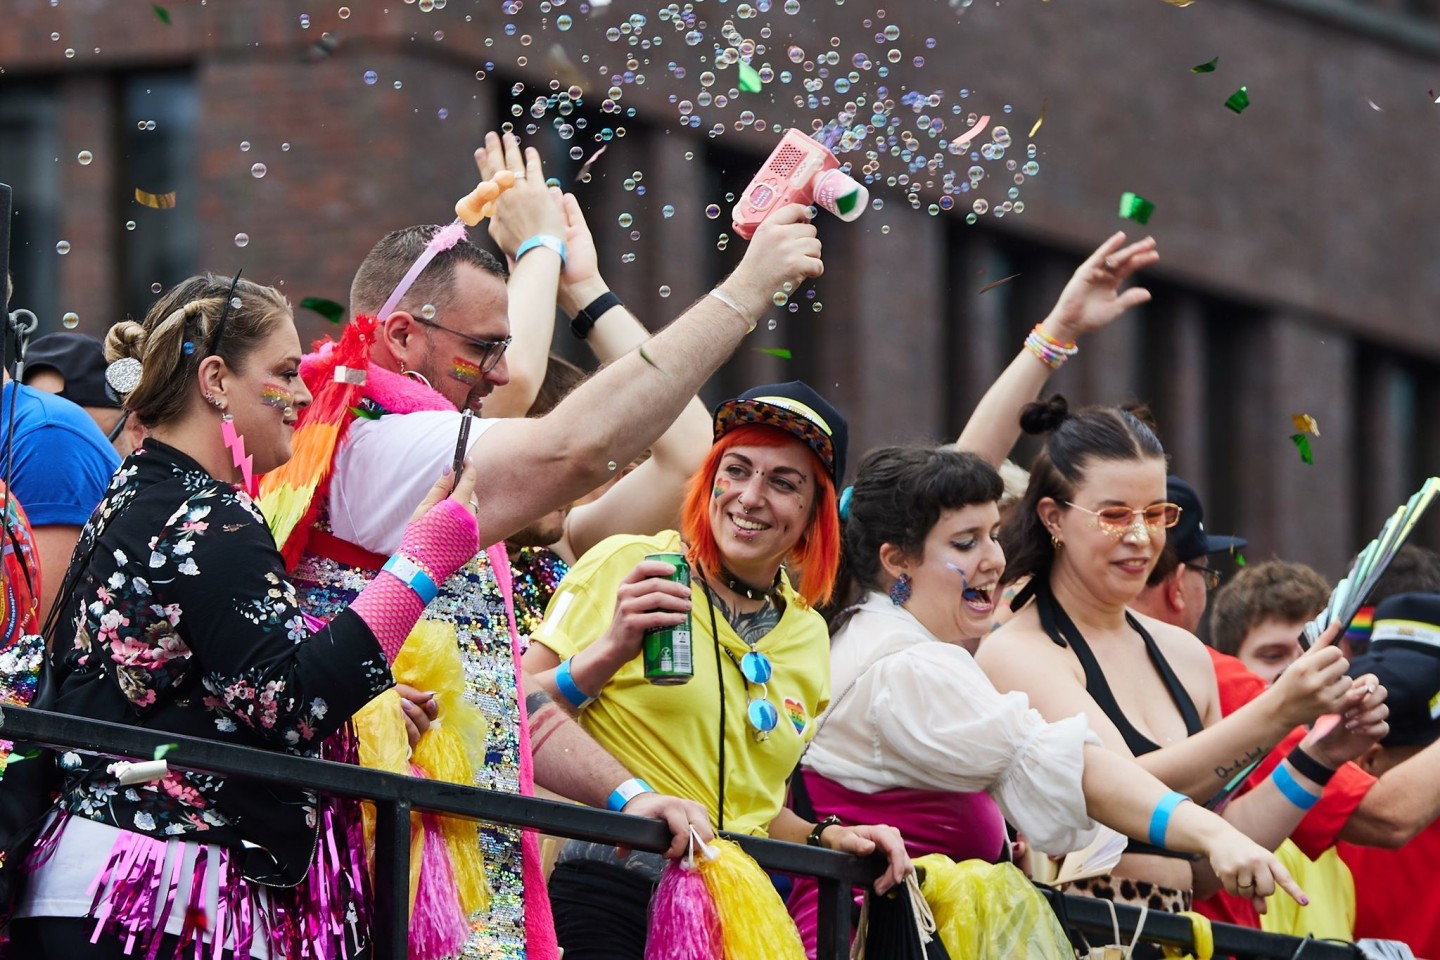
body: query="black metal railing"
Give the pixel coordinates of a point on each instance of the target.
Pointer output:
(395, 796)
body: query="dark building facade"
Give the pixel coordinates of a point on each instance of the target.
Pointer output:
(1296, 237)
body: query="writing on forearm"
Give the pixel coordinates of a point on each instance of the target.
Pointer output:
(1226, 772)
(545, 718)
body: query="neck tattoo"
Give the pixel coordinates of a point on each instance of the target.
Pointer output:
(750, 626)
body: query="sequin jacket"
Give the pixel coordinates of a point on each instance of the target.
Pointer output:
(183, 620)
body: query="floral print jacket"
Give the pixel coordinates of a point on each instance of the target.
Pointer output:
(181, 618)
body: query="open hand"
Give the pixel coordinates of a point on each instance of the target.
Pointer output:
(1092, 297)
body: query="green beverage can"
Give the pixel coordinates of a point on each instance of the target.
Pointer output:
(668, 650)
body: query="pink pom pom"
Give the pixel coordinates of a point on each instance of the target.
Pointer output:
(446, 237)
(683, 921)
(438, 925)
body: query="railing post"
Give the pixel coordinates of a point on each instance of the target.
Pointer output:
(832, 928)
(392, 880)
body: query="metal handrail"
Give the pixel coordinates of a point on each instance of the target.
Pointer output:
(395, 796)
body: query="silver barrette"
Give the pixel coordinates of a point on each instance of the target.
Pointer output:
(123, 376)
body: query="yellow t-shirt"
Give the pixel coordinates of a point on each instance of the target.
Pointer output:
(1331, 888)
(669, 735)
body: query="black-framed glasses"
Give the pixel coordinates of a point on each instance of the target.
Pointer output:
(1211, 577)
(1118, 521)
(490, 350)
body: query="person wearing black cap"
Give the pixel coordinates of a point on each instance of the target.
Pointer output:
(1179, 586)
(72, 365)
(1396, 895)
(729, 737)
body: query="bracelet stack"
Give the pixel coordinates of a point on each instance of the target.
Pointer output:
(1049, 351)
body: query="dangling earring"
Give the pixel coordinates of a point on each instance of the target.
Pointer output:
(900, 590)
(235, 443)
(415, 375)
(1055, 541)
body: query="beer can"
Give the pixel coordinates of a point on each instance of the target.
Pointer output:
(668, 651)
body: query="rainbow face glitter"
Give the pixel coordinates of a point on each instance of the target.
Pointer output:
(463, 370)
(273, 395)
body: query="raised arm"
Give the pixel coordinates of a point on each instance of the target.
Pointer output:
(524, 211)
(1089, 302)
(530, 467)
(648, 499)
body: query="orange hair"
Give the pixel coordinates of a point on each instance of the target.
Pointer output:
(818, 552)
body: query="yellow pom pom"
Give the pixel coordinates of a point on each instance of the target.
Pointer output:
(753, 921)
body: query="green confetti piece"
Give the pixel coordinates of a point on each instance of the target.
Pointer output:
(1238, 100)
(1239, 559)
(18, 756)
(1135, 207)
(749, 79)
(1302, 443)
(162, 13)
(328, 309)
(1206, 67)
(780, 352)
(163, 749)
(365, 413)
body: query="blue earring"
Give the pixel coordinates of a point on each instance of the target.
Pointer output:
(900, 590)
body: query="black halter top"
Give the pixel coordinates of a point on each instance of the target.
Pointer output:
(1062, 630)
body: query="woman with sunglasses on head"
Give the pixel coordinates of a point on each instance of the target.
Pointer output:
(730, 736)
(917, 736)
(176, 615)
(1087, 534)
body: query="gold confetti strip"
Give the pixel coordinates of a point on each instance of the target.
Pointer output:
(1304, 423)
(157, 201)
(1044, 105)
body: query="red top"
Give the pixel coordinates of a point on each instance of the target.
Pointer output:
(1396, 896)
(1321, 827)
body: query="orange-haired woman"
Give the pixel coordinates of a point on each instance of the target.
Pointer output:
(730, 736)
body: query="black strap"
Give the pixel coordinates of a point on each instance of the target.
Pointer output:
(1062, 630)
(720, 682)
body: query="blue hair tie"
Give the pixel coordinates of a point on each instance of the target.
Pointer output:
(846, 496)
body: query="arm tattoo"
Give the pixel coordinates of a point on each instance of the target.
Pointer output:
(751, 626)
(537, 701)
(1226, 772)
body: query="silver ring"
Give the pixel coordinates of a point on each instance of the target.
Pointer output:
(1109, 265)
(519, 175)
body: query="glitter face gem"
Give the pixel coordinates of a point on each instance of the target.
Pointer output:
(273, 395)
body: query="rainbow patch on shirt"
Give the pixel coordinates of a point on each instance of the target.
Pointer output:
(799, 719)
(276, 396)
(464, 371)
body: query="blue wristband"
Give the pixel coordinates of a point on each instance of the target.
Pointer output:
(573, 695)
(1160, 819)
(626, 792)
(413, 575)
(1295, 793)
(547, 240)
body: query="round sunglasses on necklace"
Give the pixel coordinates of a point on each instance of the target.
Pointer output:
(757, 670)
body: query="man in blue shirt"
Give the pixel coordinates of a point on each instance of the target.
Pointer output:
(58, 465)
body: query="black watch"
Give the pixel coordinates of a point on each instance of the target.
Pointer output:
(814, 839)
(583, 321)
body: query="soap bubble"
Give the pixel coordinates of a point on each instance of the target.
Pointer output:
(712, 211)
(242, 239)
(63, 247)
(370, 77)
(664, 290)
(428, 311)
(70, 321)
(84, 157)
(258, 170)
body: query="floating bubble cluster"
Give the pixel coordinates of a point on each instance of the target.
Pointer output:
(940, 149)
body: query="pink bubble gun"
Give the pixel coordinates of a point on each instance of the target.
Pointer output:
(799, 170)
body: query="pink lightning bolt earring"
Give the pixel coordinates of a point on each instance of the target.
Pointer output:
(234, 442)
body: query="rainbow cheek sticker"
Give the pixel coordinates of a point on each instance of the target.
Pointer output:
(799, 719)
(276, 396)
(463, 370)
(722, 484)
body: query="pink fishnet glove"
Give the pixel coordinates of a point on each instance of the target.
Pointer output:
(442, 541)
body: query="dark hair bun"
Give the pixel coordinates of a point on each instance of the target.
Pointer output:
(1044, 416)
(1141, 411)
